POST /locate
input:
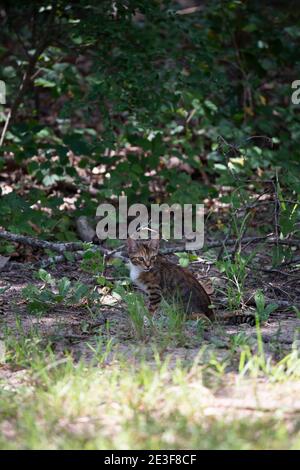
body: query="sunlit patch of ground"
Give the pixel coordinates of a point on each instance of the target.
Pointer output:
(69, 379)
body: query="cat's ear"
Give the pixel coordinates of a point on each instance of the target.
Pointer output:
(131, 245)
(153, 244)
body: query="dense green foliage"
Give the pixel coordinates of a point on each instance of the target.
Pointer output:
(105, 94)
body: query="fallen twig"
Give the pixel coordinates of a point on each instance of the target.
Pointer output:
(44, 244)
(271, 240)
(117, 253)
(5, 127)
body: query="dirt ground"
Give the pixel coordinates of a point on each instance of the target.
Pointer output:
(65, 323)
(73, 329)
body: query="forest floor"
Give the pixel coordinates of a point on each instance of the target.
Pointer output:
(81, 377)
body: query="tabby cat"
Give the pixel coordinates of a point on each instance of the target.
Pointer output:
(159, 278)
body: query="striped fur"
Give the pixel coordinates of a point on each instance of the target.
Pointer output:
(158, 277)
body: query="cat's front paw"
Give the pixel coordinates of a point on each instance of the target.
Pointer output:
(200, 316)
(152, 310)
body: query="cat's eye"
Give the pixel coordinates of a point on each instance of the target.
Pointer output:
(138, 258)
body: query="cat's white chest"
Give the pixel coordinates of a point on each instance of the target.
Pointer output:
(135, 272)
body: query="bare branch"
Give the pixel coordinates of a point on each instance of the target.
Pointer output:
(44, 244)
(29, 72)
(5, 128)
(270, 240)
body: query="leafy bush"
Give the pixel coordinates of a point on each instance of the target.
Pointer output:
(112, 92)
(54, 292)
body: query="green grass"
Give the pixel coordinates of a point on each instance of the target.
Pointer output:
(149, 400)
(122, 404)
(138, 314)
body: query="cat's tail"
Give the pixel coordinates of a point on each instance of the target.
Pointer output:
(236, 318)
(231, 318)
